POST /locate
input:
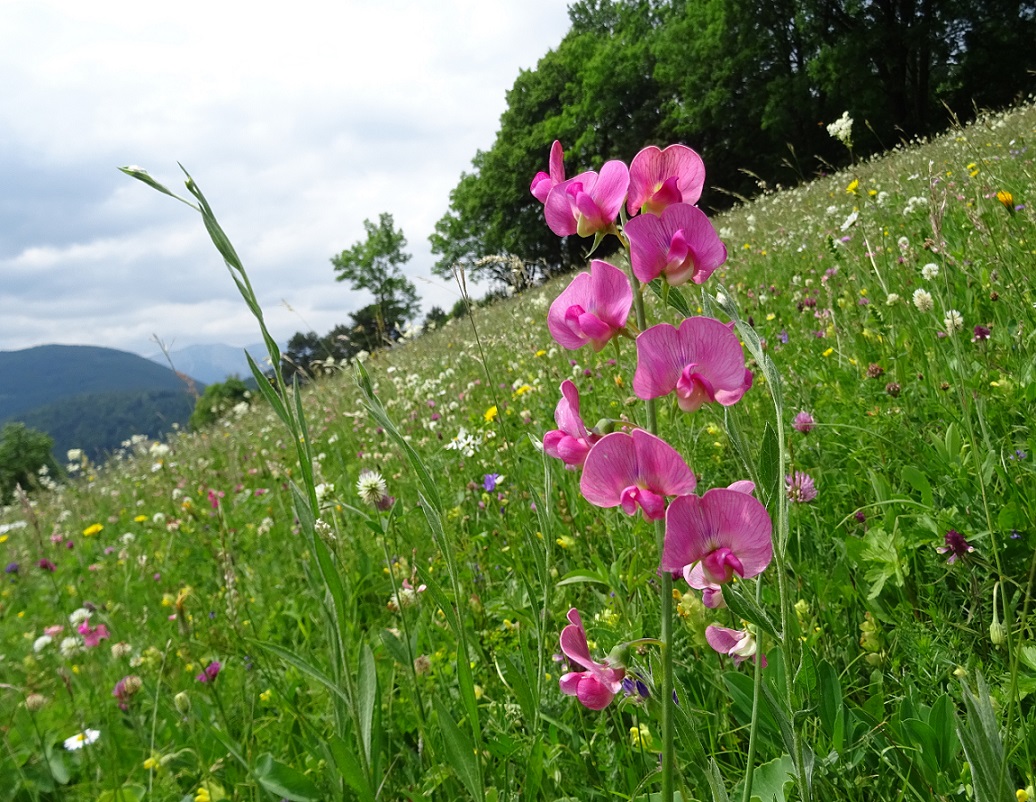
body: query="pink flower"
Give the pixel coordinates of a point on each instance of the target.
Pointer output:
(635, 470)
(712, 538)
(682, 245)
(592, 309)
(702, 361)
(571, 441)
(543, 183)
(801, 489)
(660, 178)
(211, 672)
(738, 644)
(588, 203)
(596, 687)
(803, 422)
(92, 636)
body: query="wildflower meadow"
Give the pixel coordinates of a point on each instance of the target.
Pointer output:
(742, 510)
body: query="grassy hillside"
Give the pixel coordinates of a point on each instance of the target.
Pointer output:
(257, 646)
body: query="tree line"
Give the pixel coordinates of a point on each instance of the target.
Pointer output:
(749, 84)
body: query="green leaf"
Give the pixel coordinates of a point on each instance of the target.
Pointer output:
(745, 607)
(770, 780)
(671, 296)
(348, 766)
(127, 793)
(284, 781)
(460, 751)
(917, 480)
(806, 676)
(395, 647)
(770, 463)
(367, 693)
(583, 575)
(831, 705)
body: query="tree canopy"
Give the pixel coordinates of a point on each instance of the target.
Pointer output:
(376, 265)
(750, 84)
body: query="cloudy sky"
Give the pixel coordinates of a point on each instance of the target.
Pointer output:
(297, 123)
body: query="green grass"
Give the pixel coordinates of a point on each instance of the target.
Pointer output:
(203, 556)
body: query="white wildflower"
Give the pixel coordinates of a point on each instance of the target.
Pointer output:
(953, 321)
(923, 300)
(842, 129)
(929, 271)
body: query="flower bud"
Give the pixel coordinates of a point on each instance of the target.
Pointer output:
(997, 633)
(34, 702)
(182, 702)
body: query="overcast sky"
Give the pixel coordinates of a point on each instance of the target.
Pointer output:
(297, 123)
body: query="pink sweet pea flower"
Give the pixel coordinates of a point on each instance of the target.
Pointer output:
(738, 644)
(92, 636)
(712, 538)
(681, 244)
(571, 441)
(702, 361)
(635, 470)
(588, 203)
(543, 183)
(597, 686)
(592, 309)
(660, 178)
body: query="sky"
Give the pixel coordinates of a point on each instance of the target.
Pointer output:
(297, 123)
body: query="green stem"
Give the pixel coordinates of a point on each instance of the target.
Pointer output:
(668, 719)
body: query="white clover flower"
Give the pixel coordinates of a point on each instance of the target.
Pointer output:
(929, 271)
(903, 243)
(41, 643)
(69, 646)
(923, 300)
(371, 487)
(953, 321)
(79, 616)
(892, 299)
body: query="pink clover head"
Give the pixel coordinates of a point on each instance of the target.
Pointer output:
(660, 178)
(600, 682)
(592, 309)
(681, 245)
(571, 441)
(702, 361)
(803, 422)
(588, 203)
(717, 536)
(738, 644)
(636, 470)
(543, 183)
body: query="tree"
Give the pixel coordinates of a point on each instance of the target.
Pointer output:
(217, 400)
(375, 265)
(23, 452)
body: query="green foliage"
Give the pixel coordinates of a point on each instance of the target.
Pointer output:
(375, 266)
(218, 400)
(339, 681)
(749, 84)
(23, 452)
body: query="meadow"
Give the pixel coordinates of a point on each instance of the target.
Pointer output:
(247, 613)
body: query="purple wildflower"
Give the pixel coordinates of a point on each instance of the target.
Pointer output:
(801, 489)
(47, 565)
(803, 422)
(981, 333)
(956, 546)
(12, 568)
(210, 673)
(489, 482)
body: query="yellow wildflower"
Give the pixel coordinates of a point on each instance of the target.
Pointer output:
(853, 186)
(490, 414)
(92, 529)
(1006, 198)
(140, 519)
(829, 351)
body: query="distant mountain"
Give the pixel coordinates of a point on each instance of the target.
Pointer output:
(89, 397)
(213, 363)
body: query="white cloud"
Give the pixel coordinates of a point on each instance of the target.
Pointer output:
(297, 125)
